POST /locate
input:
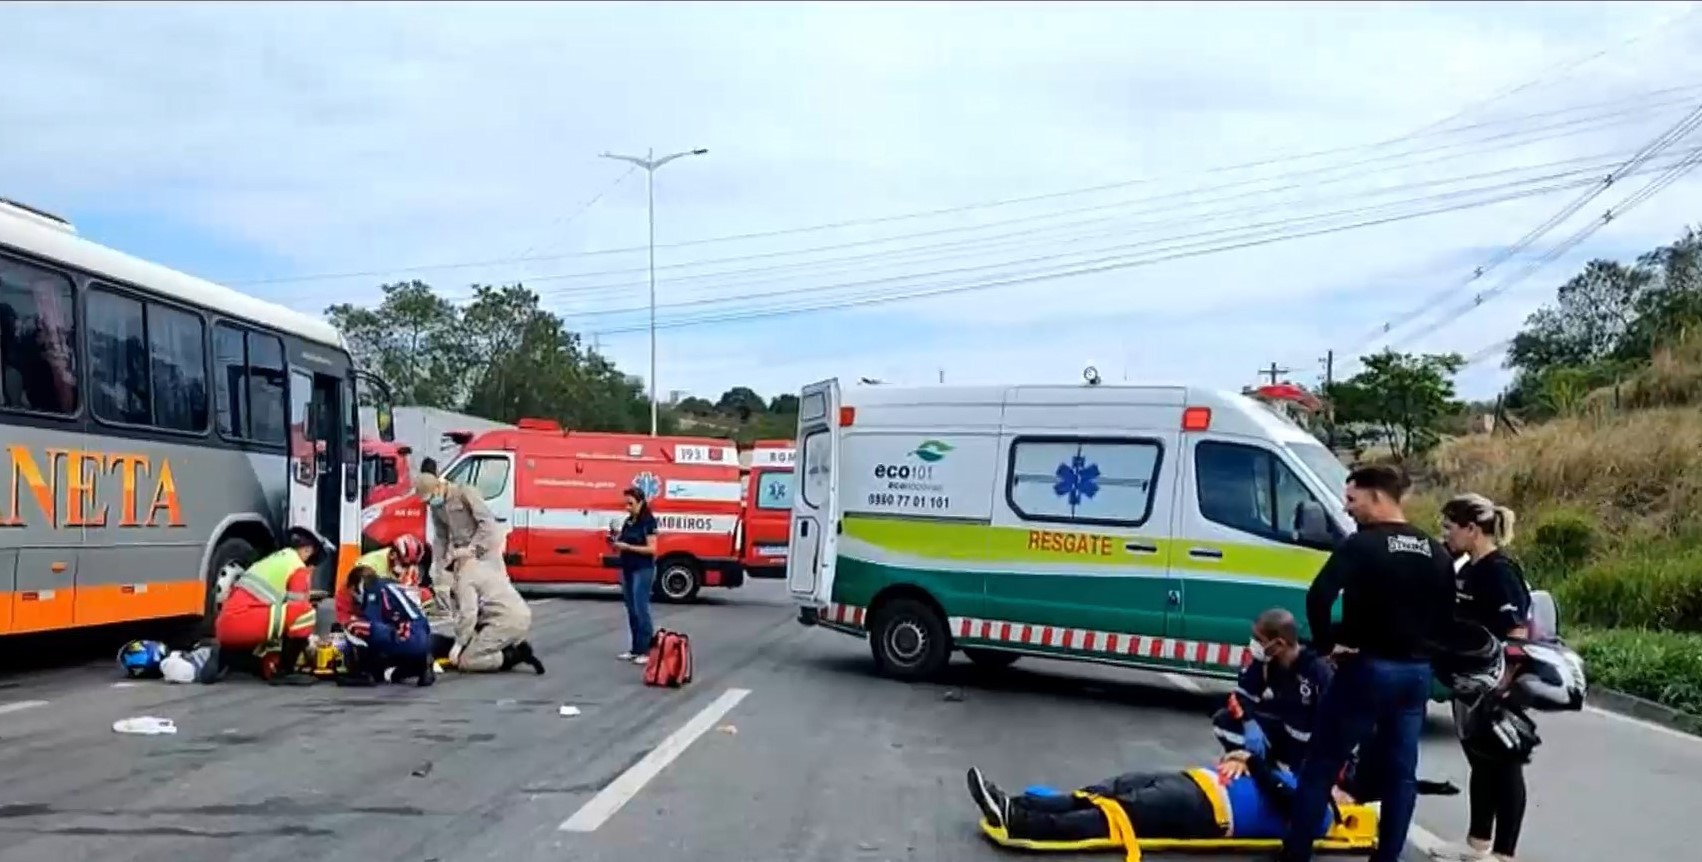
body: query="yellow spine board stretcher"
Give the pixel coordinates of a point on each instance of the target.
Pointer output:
(1355, 832)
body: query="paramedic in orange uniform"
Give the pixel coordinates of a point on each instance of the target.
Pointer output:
(399, 562)
(269, 613)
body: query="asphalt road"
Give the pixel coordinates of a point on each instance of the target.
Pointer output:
(785, 748)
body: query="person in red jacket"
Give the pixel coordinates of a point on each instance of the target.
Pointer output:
(269, 614)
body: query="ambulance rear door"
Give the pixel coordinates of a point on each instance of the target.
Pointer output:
(814, 544)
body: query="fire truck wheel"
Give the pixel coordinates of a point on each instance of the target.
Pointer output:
(677, 581)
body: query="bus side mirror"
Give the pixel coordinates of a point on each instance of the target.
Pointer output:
(1312, 526)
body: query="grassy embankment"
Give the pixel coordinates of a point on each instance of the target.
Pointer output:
(1610, 519)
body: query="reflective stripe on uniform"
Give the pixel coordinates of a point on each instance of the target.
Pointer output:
(259, 588)
(275, 570)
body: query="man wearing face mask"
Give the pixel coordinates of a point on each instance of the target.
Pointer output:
(463, 529)
(1271, 713)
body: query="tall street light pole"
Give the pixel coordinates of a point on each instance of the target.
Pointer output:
(650, 163)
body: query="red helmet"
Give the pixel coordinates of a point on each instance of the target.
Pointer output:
(406, 551)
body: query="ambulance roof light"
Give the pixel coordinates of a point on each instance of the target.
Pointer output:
(1196, 419)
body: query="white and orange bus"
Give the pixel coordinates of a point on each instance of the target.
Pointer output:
(160, 432)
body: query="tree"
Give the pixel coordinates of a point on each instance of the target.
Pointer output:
(1407, 396)
(410, 340)
(695, 406)
(1605, 321)
(502, 356)
(742, 402)
(784, 404)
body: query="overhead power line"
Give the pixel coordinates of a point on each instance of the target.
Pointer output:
(1010, 244)
(1663, 180)
(1082, 268)
(1665, 140)
(1523, 132)
(1460, 198)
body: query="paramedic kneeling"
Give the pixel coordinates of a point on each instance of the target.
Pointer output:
(1397, 592)
(269, 613)
(492, 623)
(1275, 702)
(396, 635)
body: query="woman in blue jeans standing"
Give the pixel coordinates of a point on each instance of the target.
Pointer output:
(636, 543)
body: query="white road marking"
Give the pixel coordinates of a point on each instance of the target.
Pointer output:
(123, 685)
(1641, 723)
(536, 602)
(1187, 684)
(20, 706)
(609, 800)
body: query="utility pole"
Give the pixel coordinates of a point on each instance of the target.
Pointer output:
(650, 163)
(942, 375)
(1272, 372)
(1329, 409)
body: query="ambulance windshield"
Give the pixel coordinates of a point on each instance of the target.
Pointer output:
(1325, 465)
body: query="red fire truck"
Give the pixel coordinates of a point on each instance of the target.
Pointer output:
(767, 523)
(560, 491)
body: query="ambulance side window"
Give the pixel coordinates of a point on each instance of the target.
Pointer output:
(1249, 489)
(1075, 480)
(488, 475)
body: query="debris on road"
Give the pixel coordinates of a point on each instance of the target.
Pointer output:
(422, 770)
(569, 711)
(145, 725)
(728, 729)
(952, 696)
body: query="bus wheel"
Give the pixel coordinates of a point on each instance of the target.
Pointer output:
(991, 658)
(230, 559)
(677, 581)
(909, 640)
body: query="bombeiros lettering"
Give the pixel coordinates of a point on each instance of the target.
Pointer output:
(63, 488)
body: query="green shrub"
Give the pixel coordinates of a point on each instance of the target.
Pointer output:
(1557, 544)
(1653, 586)
(1664, 667)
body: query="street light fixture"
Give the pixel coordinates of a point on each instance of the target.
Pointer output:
(650, 163)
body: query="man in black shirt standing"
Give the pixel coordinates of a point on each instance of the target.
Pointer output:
(1397, 592)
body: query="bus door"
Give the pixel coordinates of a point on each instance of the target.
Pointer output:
(316, 462)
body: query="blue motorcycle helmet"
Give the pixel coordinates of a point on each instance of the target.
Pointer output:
(141, 659)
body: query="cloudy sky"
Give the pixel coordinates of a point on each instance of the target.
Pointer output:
(989, 192)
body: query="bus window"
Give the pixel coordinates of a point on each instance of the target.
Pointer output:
(118, 358)
(38, 370)
(178, 350)
(267, 393)
(230, 380)
(248, 383)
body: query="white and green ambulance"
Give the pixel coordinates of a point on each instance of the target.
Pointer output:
(1143, 526)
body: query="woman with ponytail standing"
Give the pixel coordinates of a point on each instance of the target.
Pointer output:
(1491, 593)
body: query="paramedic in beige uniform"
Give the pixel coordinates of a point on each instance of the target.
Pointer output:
(492, 623)
(463, 528)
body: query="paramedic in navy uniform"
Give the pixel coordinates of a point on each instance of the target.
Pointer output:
(1397, 592)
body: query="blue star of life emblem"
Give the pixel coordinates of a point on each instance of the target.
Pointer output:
(1077, 480)
(649, 484)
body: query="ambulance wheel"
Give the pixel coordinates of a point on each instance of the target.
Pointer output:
(677, 581)
(909, 640)
(991, 658)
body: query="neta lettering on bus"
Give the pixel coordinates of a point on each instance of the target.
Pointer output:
(65, 485)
